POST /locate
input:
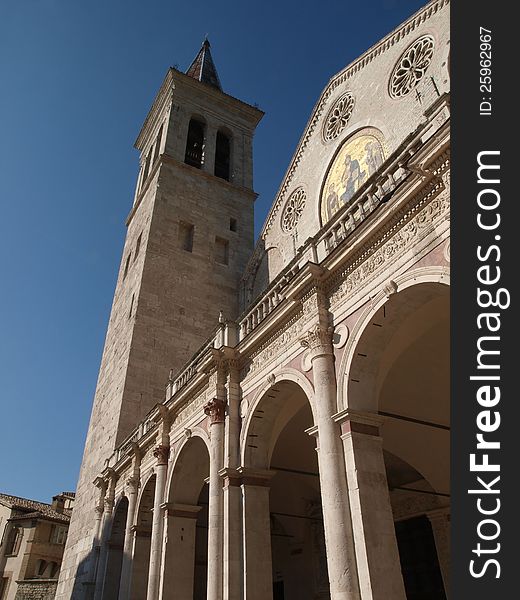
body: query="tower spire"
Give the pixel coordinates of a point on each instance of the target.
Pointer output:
(203, 68)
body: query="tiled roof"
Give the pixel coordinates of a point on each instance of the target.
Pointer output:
(203, 68)
(32, 509)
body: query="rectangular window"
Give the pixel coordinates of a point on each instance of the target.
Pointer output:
(233, 225)
(58, 534)
(14, 538)
(127, 264)
(147, 165)
(157, 145)
(137, 246)
(221, 251)
(186, 233)
(131, 306)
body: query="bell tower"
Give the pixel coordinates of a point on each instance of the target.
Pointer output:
(189, 236)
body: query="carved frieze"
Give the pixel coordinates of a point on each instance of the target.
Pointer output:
(411, 228)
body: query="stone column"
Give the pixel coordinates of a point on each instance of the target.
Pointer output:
(132, 485)
(440, 521)
(256, 527)
(209, 148)
(215, 409)
(161, 453)
(341, 559)
(108, 508)
(232, 534)
(378, 563)
(179, 550)
(232, 497)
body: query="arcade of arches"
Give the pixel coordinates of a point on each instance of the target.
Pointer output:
(334, 490)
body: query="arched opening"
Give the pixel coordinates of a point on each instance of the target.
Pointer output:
(223, 155)
(115, 551)
(186, 552)
(400, 369)
(142, 542)
(277, 440)
(195, 144)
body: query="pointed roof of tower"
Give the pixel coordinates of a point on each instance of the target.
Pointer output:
(203, 68)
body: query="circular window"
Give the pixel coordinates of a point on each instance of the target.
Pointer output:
(411, 67)
(293, 210)
(338, 117)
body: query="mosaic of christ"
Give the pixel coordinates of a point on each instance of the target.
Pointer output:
(353, 165)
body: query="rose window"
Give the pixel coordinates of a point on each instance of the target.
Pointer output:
(338, 117)
(411, 67)
(293, 210)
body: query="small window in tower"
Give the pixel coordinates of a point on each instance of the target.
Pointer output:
(195, 144)
(221, 251)
(127, 265)
(131, 306)
(137, 246)
(186, 232)
(157, 145)
(147, 165)
(222, 156)
(233, 225)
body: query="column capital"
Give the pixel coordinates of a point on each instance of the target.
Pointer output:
(132, 483)
(355, 421)
(108, 504)
(161, 453)
(215, 409)
(318, 340)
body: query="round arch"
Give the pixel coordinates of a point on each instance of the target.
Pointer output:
(415, 277)
(186, 549)
(274, 394)
(172, 464)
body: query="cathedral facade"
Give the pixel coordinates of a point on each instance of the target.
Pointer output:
(271, 421)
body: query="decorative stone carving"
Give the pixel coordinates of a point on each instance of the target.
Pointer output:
(293, 210)
(390, 287)
(447, 251)
(215, 409)
(402, 236)
(132, 482)
(271, 379)
(340, 337)
(161, 453)
(338, 117)
(411, 67)
(272, 348)
(318, 339)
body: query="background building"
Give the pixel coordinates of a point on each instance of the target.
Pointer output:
(32, 543)
(301, 449)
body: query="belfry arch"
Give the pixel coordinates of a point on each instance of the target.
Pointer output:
(186, 548)
(396, 372)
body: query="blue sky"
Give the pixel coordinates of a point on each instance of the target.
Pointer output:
(77, 80)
